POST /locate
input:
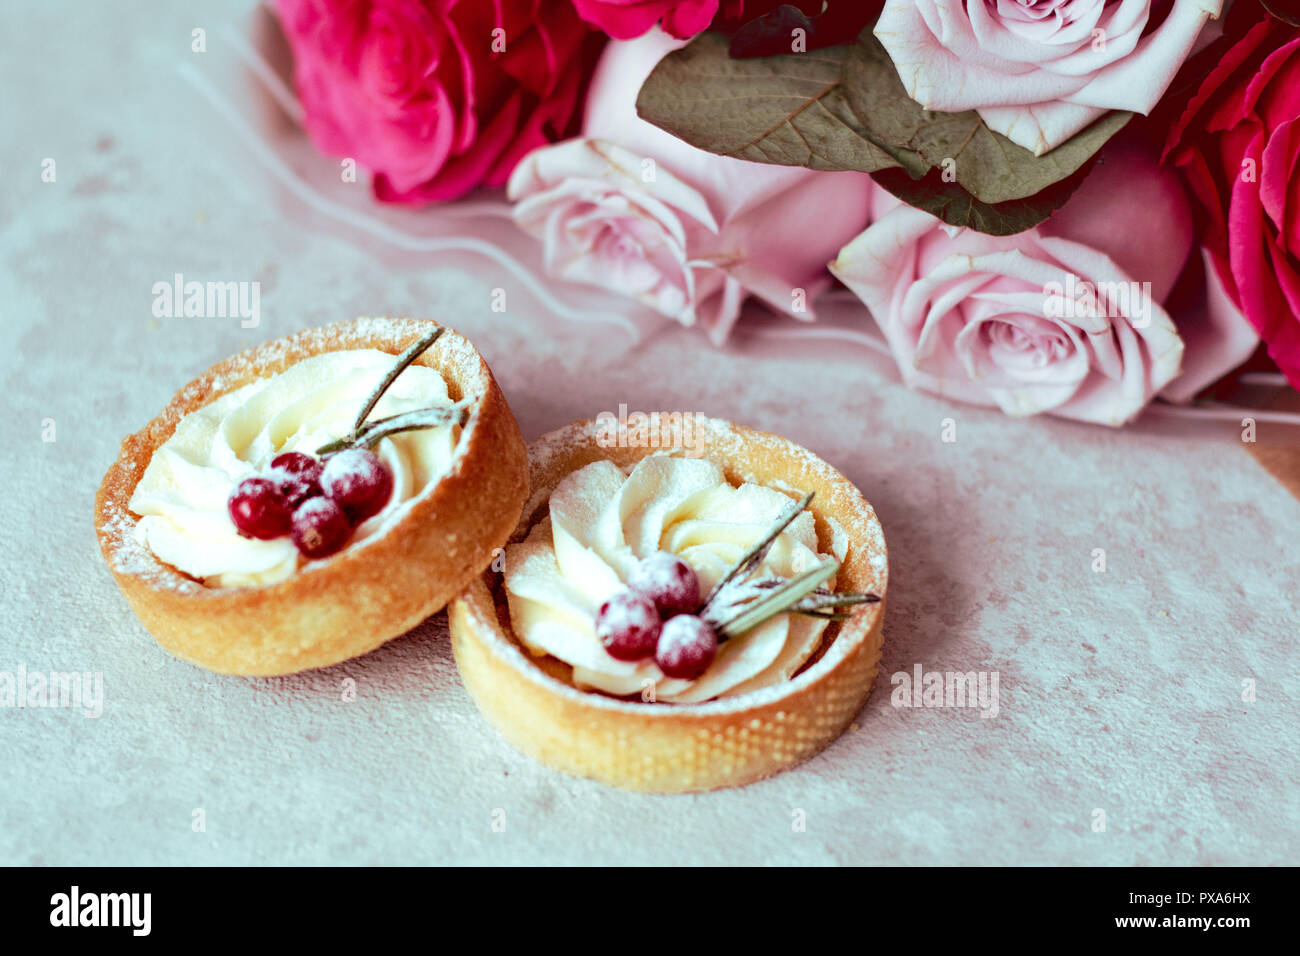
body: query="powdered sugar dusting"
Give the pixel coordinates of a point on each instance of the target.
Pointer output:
(126, 554)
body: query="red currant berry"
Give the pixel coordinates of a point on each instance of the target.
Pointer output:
(258, 509)
(298, 475)
(320, 527)
(628, 626)
(687, 646)
(357, 480)
(668, 581)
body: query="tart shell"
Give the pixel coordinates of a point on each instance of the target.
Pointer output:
(665, 747)
(354, 601)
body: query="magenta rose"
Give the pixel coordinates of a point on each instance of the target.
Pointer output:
(682, 19)
(1038, 71)
(1065, 318)
(1238, 147)
(436, 97)
(627, 19)
(632, 209)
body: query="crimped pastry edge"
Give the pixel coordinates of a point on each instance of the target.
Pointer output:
(677, 748)
(365, 595)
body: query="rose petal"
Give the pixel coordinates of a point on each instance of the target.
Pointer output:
(953, 55)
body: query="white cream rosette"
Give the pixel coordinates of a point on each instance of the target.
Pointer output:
(603, 521)
(182, 495)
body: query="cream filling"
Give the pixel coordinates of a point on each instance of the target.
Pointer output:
(182, 495)
(602, 521)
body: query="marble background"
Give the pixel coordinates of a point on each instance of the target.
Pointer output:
(1120, 691)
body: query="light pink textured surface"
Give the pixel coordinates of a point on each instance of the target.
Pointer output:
(1120, 691)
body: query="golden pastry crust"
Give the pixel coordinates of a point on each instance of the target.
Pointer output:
(366, 594)
(669, 748)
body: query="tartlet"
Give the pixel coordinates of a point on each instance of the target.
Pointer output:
(366, 594)
(660, 747)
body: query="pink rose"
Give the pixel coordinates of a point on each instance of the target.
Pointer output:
(633, 209)
(1038, 71)
(1064, 318)
(603, 224)
(436, 97)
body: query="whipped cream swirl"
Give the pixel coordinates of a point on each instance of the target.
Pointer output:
(182, 495)
(602, 521)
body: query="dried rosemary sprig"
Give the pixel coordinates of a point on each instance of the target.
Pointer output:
(738, 604)
(372, 432)
(752, 558)
(819, 602)
(777, 601)
(412, 353)
(364, 434)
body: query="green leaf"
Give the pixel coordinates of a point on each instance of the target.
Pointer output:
(844, 108)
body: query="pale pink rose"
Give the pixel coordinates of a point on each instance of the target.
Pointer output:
(637, 211)
(603, 224)
(1038, 71)
(1065, 318)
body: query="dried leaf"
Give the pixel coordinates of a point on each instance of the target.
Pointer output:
(955, 206)
(844, 108)
(786, 110)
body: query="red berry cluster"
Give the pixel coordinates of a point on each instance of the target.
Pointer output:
(316, 503)
(654, 616)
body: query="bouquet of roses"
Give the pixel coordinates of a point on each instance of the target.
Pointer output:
(1064, 206)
